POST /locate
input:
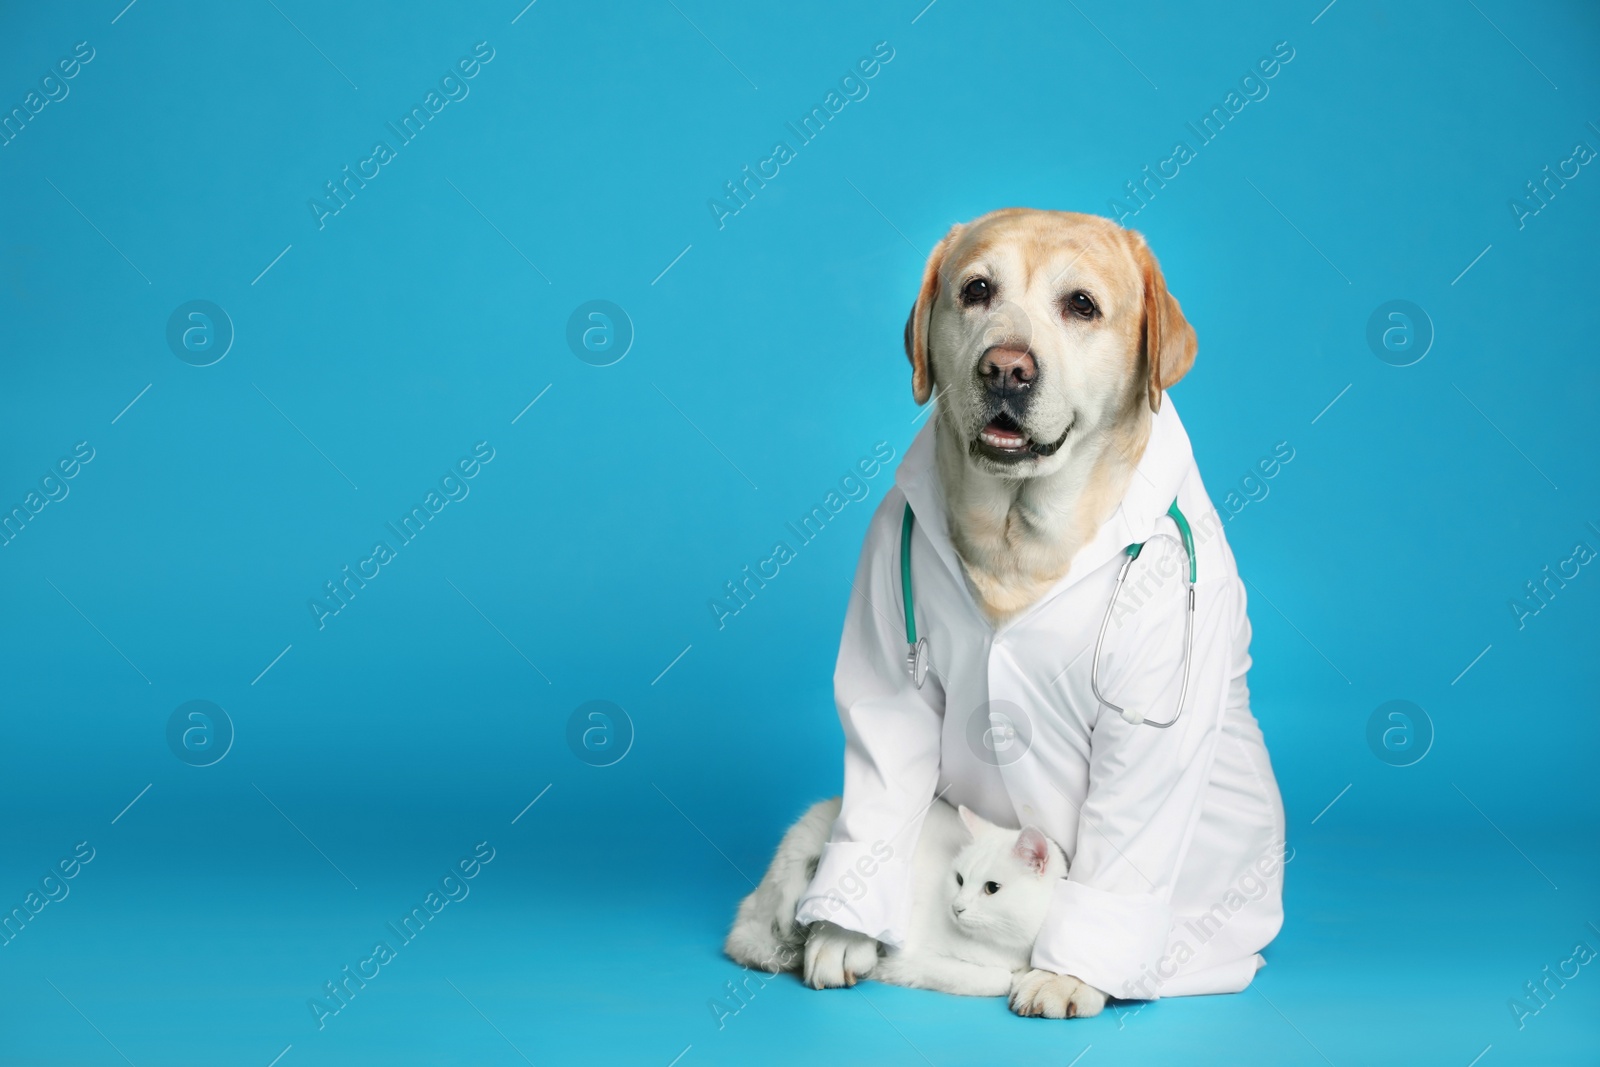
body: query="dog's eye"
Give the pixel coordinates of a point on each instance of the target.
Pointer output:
(958, 878)
(977, 291)
(1081, 305)
(991, 888)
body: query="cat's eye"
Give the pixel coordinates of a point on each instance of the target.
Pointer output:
(958, 878)
(991, 888)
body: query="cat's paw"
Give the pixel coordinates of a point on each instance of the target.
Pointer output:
(838, 957)
(1054, 996)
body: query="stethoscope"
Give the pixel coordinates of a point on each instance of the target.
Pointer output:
(917, 648)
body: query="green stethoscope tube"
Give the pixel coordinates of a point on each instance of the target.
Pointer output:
(917, 648)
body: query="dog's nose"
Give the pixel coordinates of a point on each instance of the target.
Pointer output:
(1008, 370)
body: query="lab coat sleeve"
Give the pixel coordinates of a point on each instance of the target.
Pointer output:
(891, 763)
(1110, 918)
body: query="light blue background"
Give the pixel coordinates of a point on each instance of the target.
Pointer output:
(432, 309)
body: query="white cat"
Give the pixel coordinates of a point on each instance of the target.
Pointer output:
(979, 897)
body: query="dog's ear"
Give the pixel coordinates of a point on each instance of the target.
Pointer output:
(921, 313)
(1169, 340)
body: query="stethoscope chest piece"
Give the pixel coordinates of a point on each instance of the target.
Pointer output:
(917, 661)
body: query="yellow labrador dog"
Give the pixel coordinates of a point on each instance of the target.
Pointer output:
(1048, 339)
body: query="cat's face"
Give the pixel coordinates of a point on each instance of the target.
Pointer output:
(1003, 881)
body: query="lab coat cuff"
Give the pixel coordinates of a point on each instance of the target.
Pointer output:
(861, 887)
(1113, 941)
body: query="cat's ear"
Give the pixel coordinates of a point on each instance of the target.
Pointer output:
(974, 822)
(1033, 849)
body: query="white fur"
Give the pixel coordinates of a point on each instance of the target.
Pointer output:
(961, 940)
(765, 935)
(1055, 996)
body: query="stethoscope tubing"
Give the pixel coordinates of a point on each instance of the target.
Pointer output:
(917, 647)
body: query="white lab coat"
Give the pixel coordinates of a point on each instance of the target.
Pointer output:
(1175, 837)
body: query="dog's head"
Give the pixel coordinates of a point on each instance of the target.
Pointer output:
(1040, 330)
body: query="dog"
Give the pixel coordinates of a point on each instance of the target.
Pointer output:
(1049, 332)
(1048, 340)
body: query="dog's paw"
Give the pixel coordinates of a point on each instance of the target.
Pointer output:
(838, 957)
(1054, 996)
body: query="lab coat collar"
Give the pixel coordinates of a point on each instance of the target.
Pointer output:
(1168, 458)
